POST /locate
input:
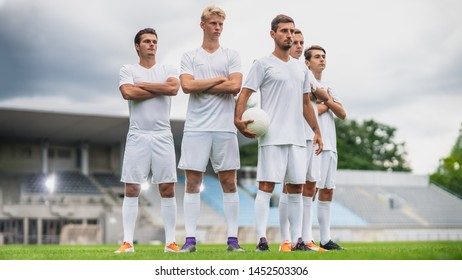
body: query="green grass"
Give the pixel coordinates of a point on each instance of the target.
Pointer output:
(434, 250)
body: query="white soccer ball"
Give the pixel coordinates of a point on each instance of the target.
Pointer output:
(260, 119)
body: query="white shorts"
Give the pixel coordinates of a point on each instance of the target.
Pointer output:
(281, 164)
(328, 170)
(148, 151)
(313, 163)
(198, 147)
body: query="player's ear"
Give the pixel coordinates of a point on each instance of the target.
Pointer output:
(272, 33)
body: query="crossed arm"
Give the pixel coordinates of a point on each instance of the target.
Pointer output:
(337, 108)
(145, 90)
(231, 84)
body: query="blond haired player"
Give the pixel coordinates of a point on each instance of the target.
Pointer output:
(211, 75)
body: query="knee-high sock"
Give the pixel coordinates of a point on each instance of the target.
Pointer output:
(284, 217)
(307, 224)
(324, 220)
(295, 208)
(231, 211)
(129, 216)
(192, 206)
(262, 206)
(169, 212)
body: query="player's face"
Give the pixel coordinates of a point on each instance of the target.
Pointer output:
(213, 26)
(297, 47)
(283, 37)
(147, 46)
(317, 63)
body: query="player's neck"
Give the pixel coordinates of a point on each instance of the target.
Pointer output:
(148, 62)
(318, 75)
(283, 55)
(210, 46)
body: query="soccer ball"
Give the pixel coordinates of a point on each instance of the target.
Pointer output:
(260, 119)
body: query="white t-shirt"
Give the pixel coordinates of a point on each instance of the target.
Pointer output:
(282, 85)
(210, 112)
(150, 114)
(309, 133)
(327, 123)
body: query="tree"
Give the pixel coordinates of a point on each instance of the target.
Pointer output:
(449, 172)
(369, 146)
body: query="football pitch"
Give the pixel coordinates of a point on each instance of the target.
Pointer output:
(410, 250)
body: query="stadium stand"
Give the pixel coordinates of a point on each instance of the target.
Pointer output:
(85, 152)
(108, 179)
(65, 182)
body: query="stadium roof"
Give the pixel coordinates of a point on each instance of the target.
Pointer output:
(20, 125)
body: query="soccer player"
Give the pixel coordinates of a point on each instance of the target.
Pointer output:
(212, 76)
(149, 147)
(313, 173)
(284, 87)
(315, 59)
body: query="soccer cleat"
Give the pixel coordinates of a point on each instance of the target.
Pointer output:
(233, 245)
(171, 248)
(125, 248)
(331, 245)
(300, 246)
(313, 247)
(262, 245)
(285, 246)
(189, 246)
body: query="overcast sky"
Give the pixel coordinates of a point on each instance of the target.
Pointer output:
(398, 62)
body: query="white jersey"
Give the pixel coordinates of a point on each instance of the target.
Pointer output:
(282, 85)
(327, 124)
(309, 133)
(150, 114)
(210, 112)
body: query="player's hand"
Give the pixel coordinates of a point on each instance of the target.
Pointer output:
(317, 140)
(242, 127)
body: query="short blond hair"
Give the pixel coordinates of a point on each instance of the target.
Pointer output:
(212, 10)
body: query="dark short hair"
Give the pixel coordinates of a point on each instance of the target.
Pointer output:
(309, 51)
(298, 31)
(144, 31)
(280, 19)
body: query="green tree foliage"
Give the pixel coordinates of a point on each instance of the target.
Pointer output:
(249, 154)
(449, 171)
(369, 146)
(361, 146)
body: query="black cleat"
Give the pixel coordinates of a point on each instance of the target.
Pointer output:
(300, 246)
(262, 245)
(331, 245)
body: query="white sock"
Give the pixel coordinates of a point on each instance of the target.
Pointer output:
(307, 224)
(231, 211)
(192, 207)
(129, 216)
(284, 217)
(324, 220)
(262, 206)
(295, 208)
(169, 212)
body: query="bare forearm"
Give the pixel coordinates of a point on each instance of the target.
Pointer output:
(309, 114)
(169, 88)
(336, 108)
(232, 85)
(131, 92)
(189, 85)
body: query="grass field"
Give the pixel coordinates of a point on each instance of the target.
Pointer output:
(441, 250)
